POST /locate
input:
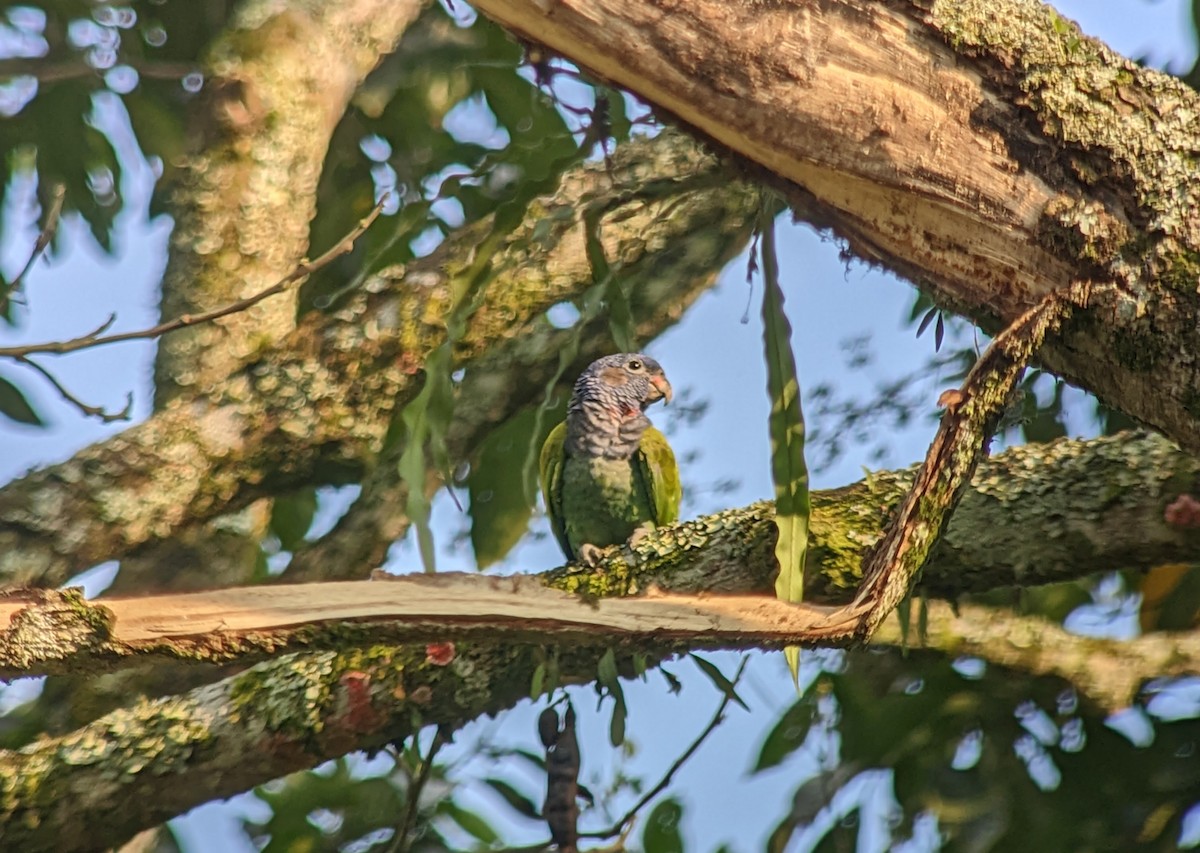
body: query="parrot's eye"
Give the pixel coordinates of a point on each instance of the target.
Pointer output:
(634, 364)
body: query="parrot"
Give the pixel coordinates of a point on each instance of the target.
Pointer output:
(607, 475)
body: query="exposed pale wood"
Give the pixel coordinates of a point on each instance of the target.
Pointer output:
(433, 604)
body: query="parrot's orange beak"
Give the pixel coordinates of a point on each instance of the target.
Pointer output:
(660, 384)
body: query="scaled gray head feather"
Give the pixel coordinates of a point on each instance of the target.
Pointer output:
(605, 416)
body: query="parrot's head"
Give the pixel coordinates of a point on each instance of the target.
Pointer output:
(607, 410)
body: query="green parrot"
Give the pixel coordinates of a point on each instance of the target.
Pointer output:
(607, 475)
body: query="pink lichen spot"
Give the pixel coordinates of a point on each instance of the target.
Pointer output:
(439, 654)
(1183, 512)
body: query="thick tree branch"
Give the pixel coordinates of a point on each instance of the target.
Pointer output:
(278, 81)
(729, 552)
(317, 408)
(162, 757)
(984, 149)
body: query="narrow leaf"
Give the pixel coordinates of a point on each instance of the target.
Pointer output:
(786, 428)
(518, 801)
(787, 434)
(926, 320)
(538, 681)
(616, 725)
(719, 680)
(471, 822)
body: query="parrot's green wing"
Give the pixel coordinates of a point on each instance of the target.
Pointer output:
(550, 467)
(655, 462)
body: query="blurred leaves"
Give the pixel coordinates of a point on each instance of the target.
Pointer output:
(788, 733)
(74, 60)
(451, 124)
(292, 516)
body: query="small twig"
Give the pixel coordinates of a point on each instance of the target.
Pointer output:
(400, 841)
(91, 411)
(302, 270)
(622, 825)
(43, 239)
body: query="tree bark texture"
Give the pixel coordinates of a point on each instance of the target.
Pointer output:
(984, 149)
(278, 81)
(1033, 515)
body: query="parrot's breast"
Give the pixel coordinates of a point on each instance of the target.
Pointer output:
(604, 501)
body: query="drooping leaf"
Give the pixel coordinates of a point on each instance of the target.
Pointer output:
(471, 822)
(500, 506)
(424, 426)
(291, 517)
(929, 317)
(718, 679)
(15, 406)
(661, 834)
(788, 469)
(521, 804)
(788, 734)
(538, 681)
(620, 318)
(620, 713)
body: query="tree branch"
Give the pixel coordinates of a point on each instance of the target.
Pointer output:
(96, 338)
(278, 80)
(986, 149)
(1074, 524)
(162, 757)
(337, 380)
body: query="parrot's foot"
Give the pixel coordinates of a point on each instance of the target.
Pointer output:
(590, 555)
(639, 534)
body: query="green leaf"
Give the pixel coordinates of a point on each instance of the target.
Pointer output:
(518, 801)
(291, 517)
(500, 506)
(661, 834)
(620, 317)
(904, 614)
(425, 421)
(788, 734)
(15, 406)
(719, 680)
(606, 669)
(472, 824)
(787, 434)
(538, 681)
(616, 724)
